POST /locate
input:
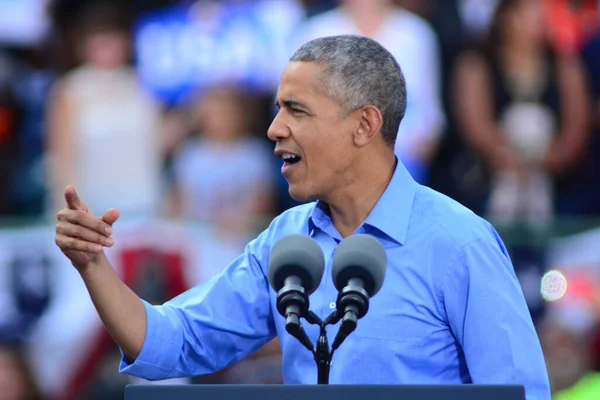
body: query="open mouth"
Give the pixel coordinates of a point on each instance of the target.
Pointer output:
(290, 158)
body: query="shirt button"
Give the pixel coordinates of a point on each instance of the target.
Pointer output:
(332, 305)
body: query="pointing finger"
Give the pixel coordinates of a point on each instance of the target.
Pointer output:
(73, 200)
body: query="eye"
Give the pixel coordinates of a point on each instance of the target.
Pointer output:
(295, 111)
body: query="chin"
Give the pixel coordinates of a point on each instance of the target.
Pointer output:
(300, 194)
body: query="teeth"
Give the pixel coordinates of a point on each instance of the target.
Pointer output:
(289, 156)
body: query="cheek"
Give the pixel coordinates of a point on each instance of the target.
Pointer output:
(325, 146)
(331, 163)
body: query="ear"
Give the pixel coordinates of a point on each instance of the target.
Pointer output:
(370, 123)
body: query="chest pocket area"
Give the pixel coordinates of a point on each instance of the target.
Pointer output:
(396, 319)
(386, 344)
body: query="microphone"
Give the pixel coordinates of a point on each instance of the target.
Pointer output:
(358, 272)
(295, 270)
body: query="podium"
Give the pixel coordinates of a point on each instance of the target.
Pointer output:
(325, 392)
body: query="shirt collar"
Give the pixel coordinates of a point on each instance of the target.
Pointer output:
(391, 213)
(319, 217)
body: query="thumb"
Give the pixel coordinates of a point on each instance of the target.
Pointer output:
(110, 216)
(73, 200)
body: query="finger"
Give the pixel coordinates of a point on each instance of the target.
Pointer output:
(85, 219)
(111, 216)
(73, 200)
(79, 232)
(67, 243)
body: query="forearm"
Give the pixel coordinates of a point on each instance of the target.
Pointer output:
(119, 308)
(474, 109)
(570, 143)
(492, 148)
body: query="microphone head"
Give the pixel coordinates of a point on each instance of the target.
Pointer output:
(360, 256)
(296, 255)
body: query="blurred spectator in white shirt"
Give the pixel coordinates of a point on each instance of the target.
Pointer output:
(103, 128)
(413, 43)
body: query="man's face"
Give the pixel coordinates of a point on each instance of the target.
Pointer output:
(313, 137)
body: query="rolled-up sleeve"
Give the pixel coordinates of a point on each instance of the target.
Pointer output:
(162, 345)
(209, 326)
(488, 315)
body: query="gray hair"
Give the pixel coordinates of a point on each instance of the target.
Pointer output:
(359, 71)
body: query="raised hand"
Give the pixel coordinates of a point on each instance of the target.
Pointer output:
(79, 234)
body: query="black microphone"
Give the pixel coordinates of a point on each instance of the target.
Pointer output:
(296, 265)
(358, 272)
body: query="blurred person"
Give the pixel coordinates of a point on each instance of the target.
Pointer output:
(99, 111)
(15, 379)
(26, 43)
(583, 193)
(454, 170)
(571, 23)
(569, 362)
(524, 110)
(335, 131)
(591, 60)
(413, 43)
(33, 80)
(222, 175)
(9, 150)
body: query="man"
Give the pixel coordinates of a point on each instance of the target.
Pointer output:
(451, 309)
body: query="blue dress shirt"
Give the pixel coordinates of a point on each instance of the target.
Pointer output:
(450, 310)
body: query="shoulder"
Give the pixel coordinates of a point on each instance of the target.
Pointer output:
(413, 28)
(323, 24)
(291, 221)
(68, 87)
(449, 221)
(412, 22)
(458, 242)
(74, 78)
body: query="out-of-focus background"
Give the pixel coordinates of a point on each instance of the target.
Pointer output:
(160, 108)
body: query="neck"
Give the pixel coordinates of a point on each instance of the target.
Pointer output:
(369, 19)
(365, 184)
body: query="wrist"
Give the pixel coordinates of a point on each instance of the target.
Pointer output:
(502, 158)
(95, 265)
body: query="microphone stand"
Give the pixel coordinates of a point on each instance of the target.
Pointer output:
(322, 354)
(293, 303)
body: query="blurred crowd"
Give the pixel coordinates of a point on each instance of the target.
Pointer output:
(160, 108)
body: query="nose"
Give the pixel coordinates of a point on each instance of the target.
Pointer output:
(278, 130)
